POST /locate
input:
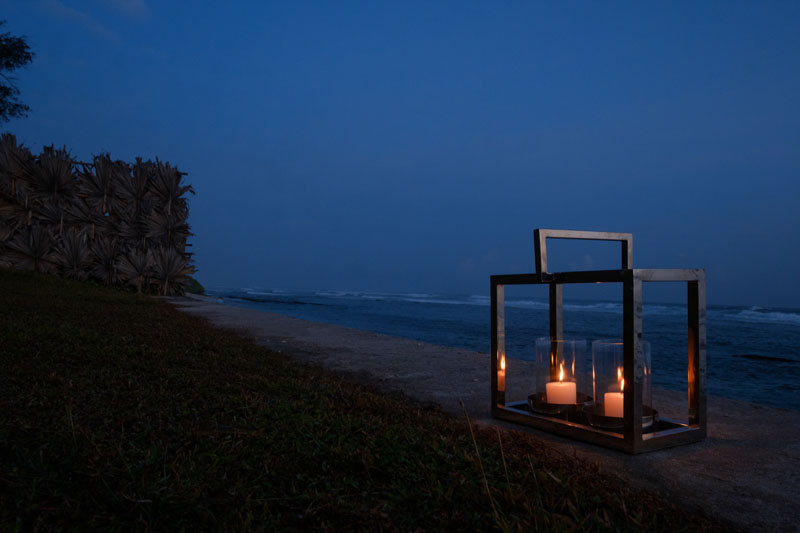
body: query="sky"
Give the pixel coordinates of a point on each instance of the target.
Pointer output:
(414, 146)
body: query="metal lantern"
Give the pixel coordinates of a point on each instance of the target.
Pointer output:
(604, 398)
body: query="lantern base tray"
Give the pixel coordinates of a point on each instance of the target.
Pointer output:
(589, 414)
(596, 418)
(662, 433)
(537, 403)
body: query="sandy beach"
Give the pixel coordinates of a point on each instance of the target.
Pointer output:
(745, 472)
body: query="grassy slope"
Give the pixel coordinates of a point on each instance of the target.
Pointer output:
(120, 411)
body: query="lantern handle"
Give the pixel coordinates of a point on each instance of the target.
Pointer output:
(540, 237)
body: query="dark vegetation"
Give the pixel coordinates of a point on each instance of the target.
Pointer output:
(193, 286)
(107, 220)
(118, 411)
(14, 53)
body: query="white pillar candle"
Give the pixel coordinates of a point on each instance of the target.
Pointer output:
(614, 403)
(561, 392)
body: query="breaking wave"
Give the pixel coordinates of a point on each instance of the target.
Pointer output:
(754, 314)
(760, 315)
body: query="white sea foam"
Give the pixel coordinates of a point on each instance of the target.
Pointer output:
(754, 314)
(761, 315)
(335, 294)
(259, 293)
(439, 300)
(527, 304)
(601, 307)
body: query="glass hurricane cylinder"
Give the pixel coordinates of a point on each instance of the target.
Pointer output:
(561, 371)
(609, 383)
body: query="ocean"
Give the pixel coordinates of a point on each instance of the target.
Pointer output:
(753, 353)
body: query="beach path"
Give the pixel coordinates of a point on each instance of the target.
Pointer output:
(747, 471)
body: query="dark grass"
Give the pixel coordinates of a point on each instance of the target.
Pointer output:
(118, 411)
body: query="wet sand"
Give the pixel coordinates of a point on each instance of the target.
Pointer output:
(747, 471)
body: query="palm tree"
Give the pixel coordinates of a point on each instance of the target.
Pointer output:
(72, 254)
(31, 249)
(171, 270)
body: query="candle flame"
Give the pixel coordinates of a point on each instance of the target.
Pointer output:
(620, 378)
(561, 374)
(622, 385)
(503, 363)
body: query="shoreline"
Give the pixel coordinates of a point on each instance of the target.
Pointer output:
(744, 471)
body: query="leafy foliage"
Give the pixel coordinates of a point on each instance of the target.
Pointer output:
(14, 53)
(119, 412)
(107, 220)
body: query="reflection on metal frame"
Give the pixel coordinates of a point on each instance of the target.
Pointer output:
(666, 433)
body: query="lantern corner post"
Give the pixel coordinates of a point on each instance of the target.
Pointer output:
(696, 303)
(498, 341)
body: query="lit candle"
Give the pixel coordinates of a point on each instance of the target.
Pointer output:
(561, 391)
(614, 402)
(501, 374)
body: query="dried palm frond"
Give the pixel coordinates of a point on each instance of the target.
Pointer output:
(72, 254)
(31, 249)
(135, 191)
(108, 225)
(169, 190)
(11, 212)
(105, 253)
(171, 270)
(14, 158)
(98, 186)
(16, 164)
(53, 216)
(133, 232)
(134, 268)
(81, 216)
(52, 178)
(6, 232)
(168, 230)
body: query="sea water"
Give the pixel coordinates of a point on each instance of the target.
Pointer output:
(753, 353)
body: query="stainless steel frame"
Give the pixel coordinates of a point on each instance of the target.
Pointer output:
(632, 439)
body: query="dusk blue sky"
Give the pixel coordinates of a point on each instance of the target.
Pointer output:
(415, 146)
